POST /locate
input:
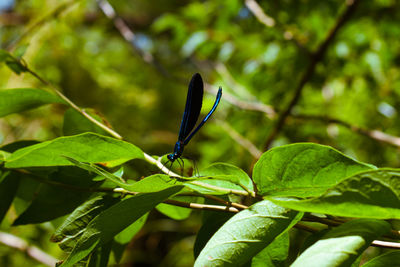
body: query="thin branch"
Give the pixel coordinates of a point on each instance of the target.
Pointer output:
(30, 250)
(312, 218)
(316, 58)
(245, 105)
(74, 106)
(201, 206)
(129, 35)
(373, 134)
(385, 244)
(245, 143)
(269, 22)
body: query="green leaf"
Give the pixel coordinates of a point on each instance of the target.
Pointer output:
(70, 231)
(222, 175)
(105, 226)
(174, 212)
(17, 100)
(302, 170)
(4, 55)
(53, 201)
(86, 147)
(76, 123)
(388, 259)
(372, 194)
(129, 232)
(153, 183)
(227, 172)
(9, 182)
(342, 245)
(274, 254)
(100, 171)
(246, 234)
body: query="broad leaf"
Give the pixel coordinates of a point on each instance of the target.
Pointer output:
(246, 234)
(52, 201)
(372, 194)
(221, 175)
(226, 173)
(86, 147)
(70, 231)
(104, 227)
(17, 100)
(343, 245)
(302, 170)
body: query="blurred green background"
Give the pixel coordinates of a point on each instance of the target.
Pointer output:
(75, 46)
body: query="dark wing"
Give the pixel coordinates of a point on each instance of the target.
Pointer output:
(193, 106)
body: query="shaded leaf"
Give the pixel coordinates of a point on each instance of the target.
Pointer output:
(86, 147)
(388, 259)
(246, 234)
(372, 194)
(53, 201)
(70, 231)
(302, 170)
(9, 182)
(101, 256)
(104, 227)
(17, 100)
(344, 244)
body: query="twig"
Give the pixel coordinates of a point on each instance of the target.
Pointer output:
(312, 218)
(269, 22)
(385, 244)
(201, 206)
(245, 105)
(316, 58)
(373, 134)
(245, 143)
(129, 35)
(32, 251)
(74, 106)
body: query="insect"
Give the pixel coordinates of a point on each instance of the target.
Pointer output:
(194, 101)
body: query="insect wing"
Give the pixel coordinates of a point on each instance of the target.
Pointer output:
(193, 106)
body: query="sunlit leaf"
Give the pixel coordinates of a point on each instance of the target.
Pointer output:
(303, 170)
(246, 234)
(17, 100)
(86, 147)
(371, 194)
(343, 245)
